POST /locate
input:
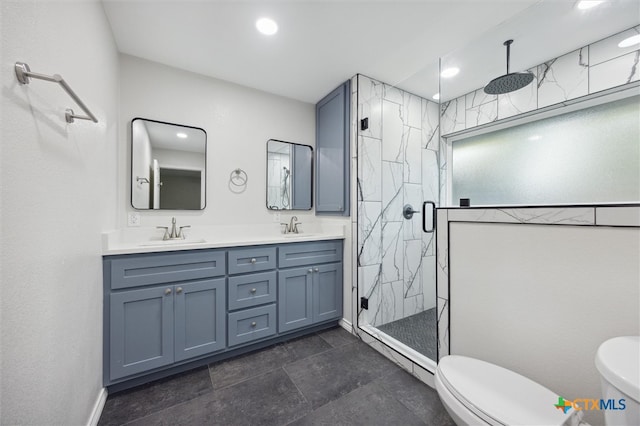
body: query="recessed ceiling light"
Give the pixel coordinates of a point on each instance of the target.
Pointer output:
(450, 72)
(630, 41)
(588, 4)
(436, 96)
(534, 138)
(181, 135)
(267, 26)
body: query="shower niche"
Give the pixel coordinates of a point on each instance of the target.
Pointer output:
(289, 175)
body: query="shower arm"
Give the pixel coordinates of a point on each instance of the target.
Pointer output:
(508, 44)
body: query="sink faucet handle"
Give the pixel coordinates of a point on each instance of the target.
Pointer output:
(295, 227)
(286, 228)
(181, 233)
(166, 232)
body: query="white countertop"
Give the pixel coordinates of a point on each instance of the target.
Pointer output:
(149, 240)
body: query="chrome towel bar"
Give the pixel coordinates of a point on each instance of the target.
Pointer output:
(23, 72)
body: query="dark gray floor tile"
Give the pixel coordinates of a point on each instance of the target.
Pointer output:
(238, 369)
(141, 401)
(329, 375)
(270, 399)
(367, 405)
(337, 336)
(241, 368)
(421, 399)
(304, 347)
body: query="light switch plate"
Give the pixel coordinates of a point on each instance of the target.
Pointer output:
(133, 219)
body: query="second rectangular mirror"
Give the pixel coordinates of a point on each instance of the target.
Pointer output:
(289, 175)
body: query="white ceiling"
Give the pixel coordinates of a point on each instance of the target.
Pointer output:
(320, 44)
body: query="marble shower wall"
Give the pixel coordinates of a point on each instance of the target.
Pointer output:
(593, 68)
(397, 165)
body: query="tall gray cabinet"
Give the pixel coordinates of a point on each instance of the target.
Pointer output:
(332, 152)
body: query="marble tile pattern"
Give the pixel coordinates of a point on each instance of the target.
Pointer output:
(397, 165)
(598, 66)
(563, 78)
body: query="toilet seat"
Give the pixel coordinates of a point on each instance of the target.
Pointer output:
(499, 396)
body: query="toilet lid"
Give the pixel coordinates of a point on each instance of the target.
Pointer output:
(618, 360)
(502, 395)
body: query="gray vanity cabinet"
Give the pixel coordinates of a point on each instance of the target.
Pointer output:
(155, 319)
(165, 312)
(312, 293)
(332, 152)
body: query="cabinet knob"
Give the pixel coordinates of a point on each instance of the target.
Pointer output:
(253, 324)
(253, 260)
(179, 290)
(309, 270)
(167, 291)
(253, 290)
(315, 269)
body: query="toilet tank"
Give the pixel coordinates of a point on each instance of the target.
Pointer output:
(618, 362)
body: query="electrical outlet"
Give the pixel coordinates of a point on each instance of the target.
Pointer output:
(133, 219)
(276, 217)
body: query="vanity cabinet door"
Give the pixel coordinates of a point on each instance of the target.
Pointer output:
(295, 298)
(200, 318)
(332, 152)
(141, 330)
(327, 292)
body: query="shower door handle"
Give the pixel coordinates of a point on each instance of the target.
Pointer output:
(424, 216)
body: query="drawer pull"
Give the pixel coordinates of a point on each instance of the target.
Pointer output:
(254, 260)
(253, 290)
(315, 269)
(309, 270)
(253, 324)
(179, 290)
(167, 291)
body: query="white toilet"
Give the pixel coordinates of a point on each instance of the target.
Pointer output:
(618, 361)
(476, 392)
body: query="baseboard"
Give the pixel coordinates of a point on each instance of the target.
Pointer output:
(97, 408)
(346, 325)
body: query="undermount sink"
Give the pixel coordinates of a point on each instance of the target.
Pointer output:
(173, 242)
(299, 235)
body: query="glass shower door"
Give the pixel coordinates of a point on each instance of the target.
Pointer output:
(397, 167)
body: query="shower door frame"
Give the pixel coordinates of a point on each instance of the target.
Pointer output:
(407, 353)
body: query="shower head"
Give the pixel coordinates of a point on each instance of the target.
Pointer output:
(510, 82)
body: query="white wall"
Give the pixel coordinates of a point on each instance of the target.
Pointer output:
(58, 194)
(238, 120)
(540, 299)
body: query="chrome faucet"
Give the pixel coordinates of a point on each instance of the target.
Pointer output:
(174, 234)
(292, 226)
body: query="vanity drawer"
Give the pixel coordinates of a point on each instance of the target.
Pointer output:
(299, 254)
(252, 259)
(252, 324)
(134, 271)
(251, 290)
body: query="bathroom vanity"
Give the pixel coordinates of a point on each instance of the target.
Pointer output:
(169, 311)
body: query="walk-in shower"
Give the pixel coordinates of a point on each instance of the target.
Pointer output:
(397, 162)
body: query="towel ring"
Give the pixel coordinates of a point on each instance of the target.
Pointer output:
(238, 177)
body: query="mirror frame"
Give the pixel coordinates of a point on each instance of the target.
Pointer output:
(267, 177)
(131, 178)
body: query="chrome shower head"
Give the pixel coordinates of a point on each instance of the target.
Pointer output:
(510, 82)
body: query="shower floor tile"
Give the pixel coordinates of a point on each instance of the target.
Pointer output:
(416, 331)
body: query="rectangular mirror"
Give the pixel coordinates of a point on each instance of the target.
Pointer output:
(289, 175)
(168, 166)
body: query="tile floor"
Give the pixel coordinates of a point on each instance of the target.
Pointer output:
(326, 378)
